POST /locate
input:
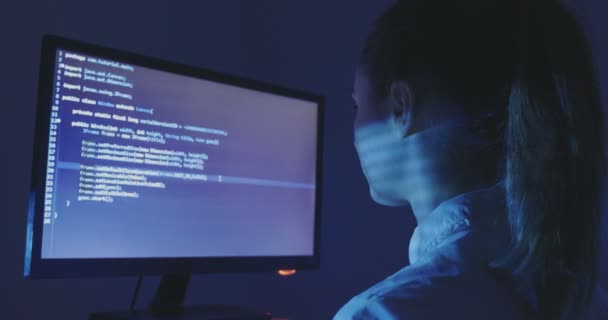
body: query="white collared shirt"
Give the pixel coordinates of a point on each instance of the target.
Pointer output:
(448, 277)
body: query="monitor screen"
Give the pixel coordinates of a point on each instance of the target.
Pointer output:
(156, 161)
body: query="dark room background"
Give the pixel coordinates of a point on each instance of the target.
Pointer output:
(311, 45)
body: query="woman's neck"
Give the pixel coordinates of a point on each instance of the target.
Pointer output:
(444, 162)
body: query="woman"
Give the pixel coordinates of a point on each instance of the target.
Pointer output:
(484, 116)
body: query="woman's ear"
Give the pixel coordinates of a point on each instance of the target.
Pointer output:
(401, 104)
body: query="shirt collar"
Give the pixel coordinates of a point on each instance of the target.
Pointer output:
(482, 210)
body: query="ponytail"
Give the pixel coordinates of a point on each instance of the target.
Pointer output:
(555, 161)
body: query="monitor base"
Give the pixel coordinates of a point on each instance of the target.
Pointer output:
(203, 312)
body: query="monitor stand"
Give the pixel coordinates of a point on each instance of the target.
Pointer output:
(168, 304)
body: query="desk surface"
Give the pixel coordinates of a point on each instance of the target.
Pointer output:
(192, 313)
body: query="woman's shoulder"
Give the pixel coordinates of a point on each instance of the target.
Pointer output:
(439, 290)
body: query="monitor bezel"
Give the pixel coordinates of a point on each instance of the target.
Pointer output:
(36, 267)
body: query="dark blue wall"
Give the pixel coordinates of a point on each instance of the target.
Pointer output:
(312, 45)
(592, 13)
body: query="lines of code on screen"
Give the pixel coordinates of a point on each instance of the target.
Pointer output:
(148, 163)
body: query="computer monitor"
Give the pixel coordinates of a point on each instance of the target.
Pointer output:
(144, 166)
